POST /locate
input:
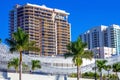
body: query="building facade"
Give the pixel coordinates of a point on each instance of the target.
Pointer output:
(48, 27)
(103, 36)
(103, 52)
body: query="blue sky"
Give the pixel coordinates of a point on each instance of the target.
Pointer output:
(84, 14)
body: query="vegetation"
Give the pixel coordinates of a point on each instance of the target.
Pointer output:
(107, 68)
(113, 77)
(100, 66)
(110, 77)
(35, 64)
(20, 42)
(14, 63)
(76, 50)
(25, 67)
(116, 68)
(91, 75)
(0, 40)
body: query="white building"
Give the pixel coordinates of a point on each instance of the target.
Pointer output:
(104, 52)
(103, 36)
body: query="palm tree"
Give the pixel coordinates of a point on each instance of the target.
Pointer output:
(100, 66)
(14, 63)
(107, 68)
(20, 42)
(116, 68)
(76, 50)
(0, 40)
(35, 64)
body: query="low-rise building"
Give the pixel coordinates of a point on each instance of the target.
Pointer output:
(103, 52)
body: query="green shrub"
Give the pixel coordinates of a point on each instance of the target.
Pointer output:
(110, 77)
(73, 75)
(90, 75)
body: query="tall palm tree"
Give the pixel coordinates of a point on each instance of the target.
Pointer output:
(76, 50)
(116, 68)
(14, 63)
(35, 64)
(107, 68)
(101, 65)
(20, 42)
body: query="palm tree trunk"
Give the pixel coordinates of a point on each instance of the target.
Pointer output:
(20, 66)
(78, 74)
(108, 72)
(100, 75)
(117, 75)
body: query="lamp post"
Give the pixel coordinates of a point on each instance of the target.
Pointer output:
(95, 68)
(95, 65)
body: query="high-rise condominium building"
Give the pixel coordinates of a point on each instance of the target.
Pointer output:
(103, 36)
(48, 27)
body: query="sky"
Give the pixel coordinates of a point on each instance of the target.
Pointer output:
(84, 14)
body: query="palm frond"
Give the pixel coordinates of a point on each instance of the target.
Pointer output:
(35, 64)
(14, 63)
(36, 49)
(77, 61)
(68, 55)
(116, 67)
(10, 42)
(101, 64)
(88, 55)
(0, 40)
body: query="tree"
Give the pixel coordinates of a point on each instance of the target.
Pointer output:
(35, 64)
(20, 42)
(107, 68)
(76, 50)
(100, 66)
(116, 68)
(0, 40)
(14, 63)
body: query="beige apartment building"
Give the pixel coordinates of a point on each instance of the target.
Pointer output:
(48, 27)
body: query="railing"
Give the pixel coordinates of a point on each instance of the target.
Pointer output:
(5, 56)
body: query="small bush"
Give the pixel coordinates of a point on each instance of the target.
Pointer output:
(73, 75)
(90, 75)
(110, 77)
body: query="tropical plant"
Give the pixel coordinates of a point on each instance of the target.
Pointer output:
(20, 42)
(73, 75)
(110, 77)
(90, 75)
(35, 64)
(76, 50)
(25, 67)
(113, 77)
(0, 40)
(14, 63)
(107, 68)
(116, 68)
(101, 65)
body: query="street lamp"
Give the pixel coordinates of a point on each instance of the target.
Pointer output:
(95, 66)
